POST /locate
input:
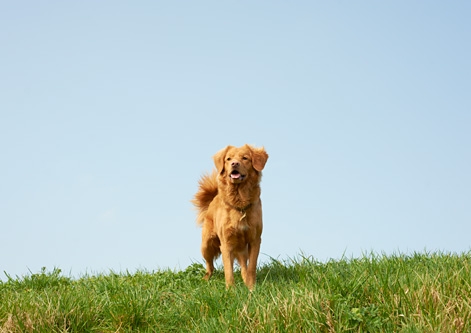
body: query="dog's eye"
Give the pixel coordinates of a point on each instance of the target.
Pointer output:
(245, 158)
(228, 159)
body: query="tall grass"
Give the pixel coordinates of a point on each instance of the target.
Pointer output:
(428, 292)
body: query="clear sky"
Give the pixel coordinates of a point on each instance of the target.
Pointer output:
(111, 110)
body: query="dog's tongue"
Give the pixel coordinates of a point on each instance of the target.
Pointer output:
(235, 175)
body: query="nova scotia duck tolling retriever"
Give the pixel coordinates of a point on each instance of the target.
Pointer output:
(230, 211)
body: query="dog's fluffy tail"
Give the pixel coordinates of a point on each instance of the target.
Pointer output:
(208, 189)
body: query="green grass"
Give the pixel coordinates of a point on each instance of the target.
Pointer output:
(428, 292)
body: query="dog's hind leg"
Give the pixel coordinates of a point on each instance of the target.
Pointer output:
(242, 258)
(210, 250)
(208, 255)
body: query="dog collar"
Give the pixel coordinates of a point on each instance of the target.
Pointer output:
(242, 210)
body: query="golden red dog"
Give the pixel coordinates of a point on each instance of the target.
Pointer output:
(230, 211)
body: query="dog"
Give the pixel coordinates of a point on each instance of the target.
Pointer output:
(230, 211)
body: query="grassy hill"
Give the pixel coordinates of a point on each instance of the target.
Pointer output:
(428, 292)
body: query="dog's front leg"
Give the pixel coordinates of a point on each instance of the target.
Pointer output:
(228, 262)
(254, 249)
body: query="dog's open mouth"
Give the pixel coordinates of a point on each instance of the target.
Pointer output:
(237, 175)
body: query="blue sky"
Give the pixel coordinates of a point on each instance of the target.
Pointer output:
(110, 111)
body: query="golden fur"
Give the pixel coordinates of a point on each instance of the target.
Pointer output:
(230, 211)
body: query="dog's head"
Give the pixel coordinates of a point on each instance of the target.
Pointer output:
(240, 164)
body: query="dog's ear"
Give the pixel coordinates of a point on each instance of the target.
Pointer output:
(259, 158)
(219, 158)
